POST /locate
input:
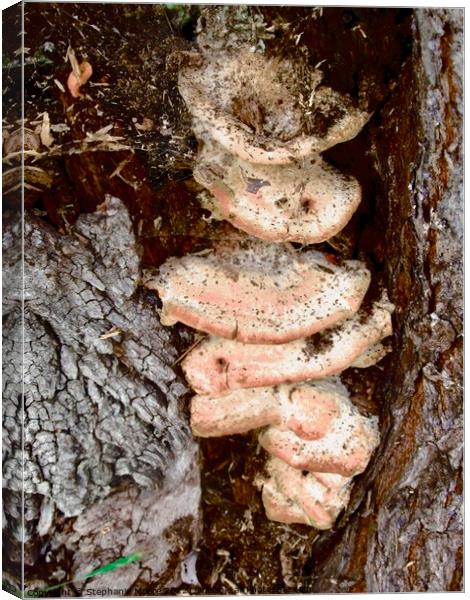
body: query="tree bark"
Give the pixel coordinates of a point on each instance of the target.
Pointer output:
(107, 452)
(111, 467)
(403, 531)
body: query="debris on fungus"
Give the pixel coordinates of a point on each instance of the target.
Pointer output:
(277, 318)
(250, 105)
(218, 366)
(305, 201)
(257, 293)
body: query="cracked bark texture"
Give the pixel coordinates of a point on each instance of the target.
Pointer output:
(108, 454)
(403, 530)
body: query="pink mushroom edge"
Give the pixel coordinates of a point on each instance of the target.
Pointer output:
(218, 366)
(345, 449)
(259, 293)
(308, 409)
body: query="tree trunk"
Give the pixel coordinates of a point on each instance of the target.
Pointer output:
(111, 468)
(403, 531)
(109, 458)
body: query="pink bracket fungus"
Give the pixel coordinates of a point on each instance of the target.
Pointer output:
(307, 201)
(372, 355)
(250, 105)
(345, 449)
(259, 293)
(293, 496)
(218, 366)
(308, 409)
(280, 321)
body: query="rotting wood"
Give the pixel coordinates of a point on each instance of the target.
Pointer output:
(109, 458)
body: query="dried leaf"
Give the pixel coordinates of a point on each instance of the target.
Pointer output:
(146, 125)
(70, 56)
(46, 137)
(59, 85)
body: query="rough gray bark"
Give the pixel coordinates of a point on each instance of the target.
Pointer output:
(105, 438)
(404, 531)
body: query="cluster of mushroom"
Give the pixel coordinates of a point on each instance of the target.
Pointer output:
(282, 322)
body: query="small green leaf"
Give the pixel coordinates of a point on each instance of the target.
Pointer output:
(120, 562)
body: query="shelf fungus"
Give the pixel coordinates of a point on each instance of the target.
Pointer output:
(305, 201)
(293, 496)
(308, 409)
(218, 366)
(265, 110)
(259, 293)
(345, 448)
(281, 322)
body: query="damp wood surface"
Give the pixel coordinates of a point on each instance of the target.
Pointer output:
(130, 136)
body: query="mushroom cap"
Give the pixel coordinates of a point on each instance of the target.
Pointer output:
(371, 356)
(279, 508)
(218, 366)
(307, 201)
(235, 413)
(293, 496)
(250, 105)
(345, 449)
(256, 292)
(308, 409)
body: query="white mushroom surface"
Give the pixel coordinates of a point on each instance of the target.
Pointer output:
(308, 409)
(279, 508)
(307, 201)
(293, 496)
(345, 448)
(256, 292)
(251, 105)
(371, 356)
(218, 366)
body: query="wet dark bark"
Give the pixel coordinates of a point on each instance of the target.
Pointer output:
(403, 532)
